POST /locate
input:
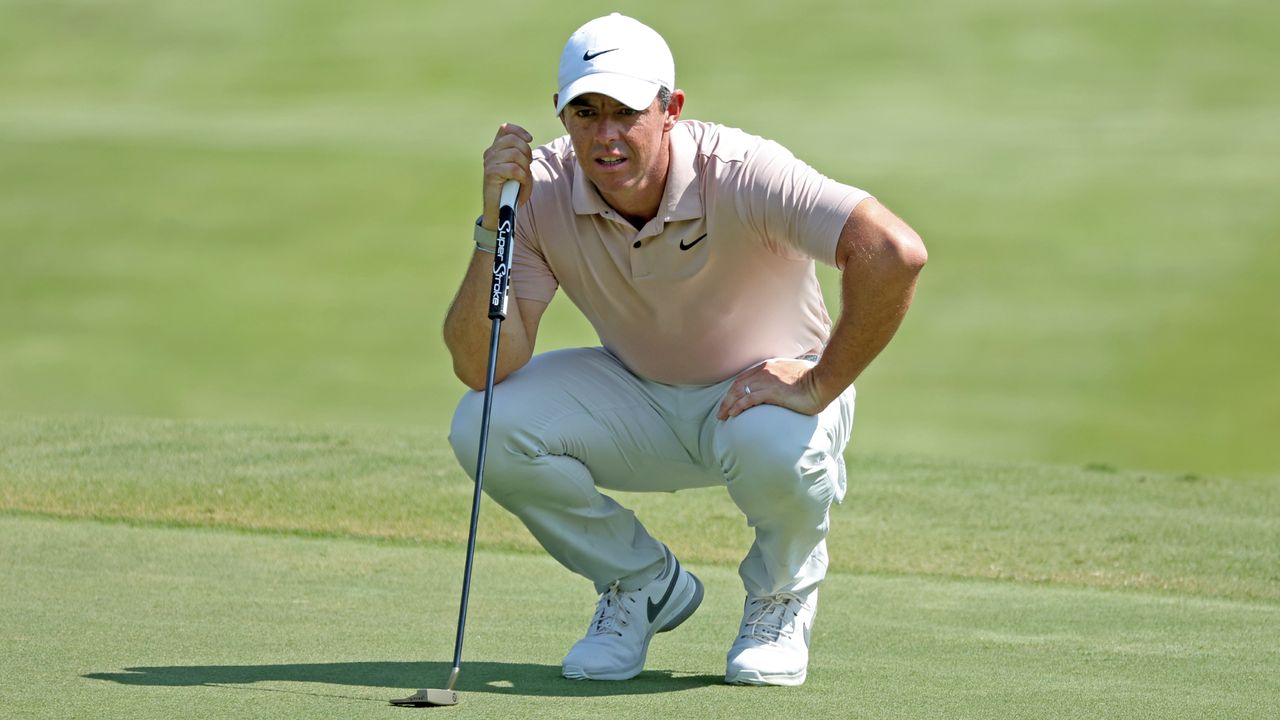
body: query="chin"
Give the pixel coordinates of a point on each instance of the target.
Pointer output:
(611, 183)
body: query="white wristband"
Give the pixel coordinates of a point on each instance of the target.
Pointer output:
(486, 240)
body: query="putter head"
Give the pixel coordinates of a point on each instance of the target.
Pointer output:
(428, 697)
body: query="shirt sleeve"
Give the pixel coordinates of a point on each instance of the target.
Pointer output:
(531, 275)
(792, 208)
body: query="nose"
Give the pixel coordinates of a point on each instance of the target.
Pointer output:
(607, 129)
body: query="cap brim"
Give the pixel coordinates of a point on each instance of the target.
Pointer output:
(634, 93)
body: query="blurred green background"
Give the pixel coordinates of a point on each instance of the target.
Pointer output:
(260, 209)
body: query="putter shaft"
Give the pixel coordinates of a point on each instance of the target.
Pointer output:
(497, 313)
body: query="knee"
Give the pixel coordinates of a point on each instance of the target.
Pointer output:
(750, 443)
(464, 430)
(509, 450)
(774, 455)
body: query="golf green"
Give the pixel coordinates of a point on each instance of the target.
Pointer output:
(113, 621)
(229, 232)
(253, 210)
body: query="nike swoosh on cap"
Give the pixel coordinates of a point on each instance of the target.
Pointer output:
(653, 608)
(589, 56)
(695, 242)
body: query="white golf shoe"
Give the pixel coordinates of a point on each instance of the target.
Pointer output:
(618, 639)
(773, 642)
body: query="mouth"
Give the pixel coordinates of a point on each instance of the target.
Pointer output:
(611, 163)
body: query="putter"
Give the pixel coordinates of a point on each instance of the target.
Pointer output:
(432, 697)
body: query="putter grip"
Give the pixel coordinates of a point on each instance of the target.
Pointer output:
(502, 256)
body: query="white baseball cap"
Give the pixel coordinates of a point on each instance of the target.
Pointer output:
(616, 56)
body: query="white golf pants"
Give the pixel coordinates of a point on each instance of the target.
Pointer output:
(573, 421)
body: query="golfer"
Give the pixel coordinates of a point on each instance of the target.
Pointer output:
(690, 247)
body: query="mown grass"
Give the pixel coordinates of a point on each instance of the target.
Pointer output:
(110, 621)
(248, 217)
(259, 210)
(1211, 536)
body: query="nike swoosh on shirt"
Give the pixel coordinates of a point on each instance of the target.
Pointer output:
(695, 242)
(654, 609)
(589, 56)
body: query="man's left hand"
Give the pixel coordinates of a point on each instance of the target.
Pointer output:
(785, 383)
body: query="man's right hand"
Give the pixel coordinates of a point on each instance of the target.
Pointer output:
(508, 158)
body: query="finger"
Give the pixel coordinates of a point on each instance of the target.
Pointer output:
(505, 160)
(744, 403)
(516, 150)
(495, 176)
(498, 174)
(508, 163)
(730, 396)
(739, 397)
(513, 130)
(516, 130)
(508, 158)
(511, 140)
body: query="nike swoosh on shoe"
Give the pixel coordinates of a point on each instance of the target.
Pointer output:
(653, 608)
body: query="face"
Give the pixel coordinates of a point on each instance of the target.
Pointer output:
(623, 151)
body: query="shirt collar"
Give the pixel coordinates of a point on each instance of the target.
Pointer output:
(680, 199)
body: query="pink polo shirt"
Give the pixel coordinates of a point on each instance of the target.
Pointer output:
(721, 279)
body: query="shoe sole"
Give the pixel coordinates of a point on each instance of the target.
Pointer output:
(755, 677)
(576, 672)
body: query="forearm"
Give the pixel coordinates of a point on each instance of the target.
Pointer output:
(872, 310)
(881, 257)
(468, 329)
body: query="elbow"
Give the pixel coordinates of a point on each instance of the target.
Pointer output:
(467, 372)
(470, 376)
(465, 366)
(471, 380)
(874, 237)
(912, 251)
(475, 378)
(463, 370)
(905, 250)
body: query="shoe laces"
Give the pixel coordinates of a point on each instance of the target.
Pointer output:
(771, 617)
(612, 612)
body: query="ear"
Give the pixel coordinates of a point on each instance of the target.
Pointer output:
(555, 100)
(674, 108)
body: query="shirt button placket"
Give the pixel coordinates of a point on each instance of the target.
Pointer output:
(639, 259)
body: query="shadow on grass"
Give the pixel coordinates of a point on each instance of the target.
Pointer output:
(485, 677)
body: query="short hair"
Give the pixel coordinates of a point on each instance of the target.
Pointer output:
(664, 99)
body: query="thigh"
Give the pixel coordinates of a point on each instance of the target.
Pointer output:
(583, 403)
